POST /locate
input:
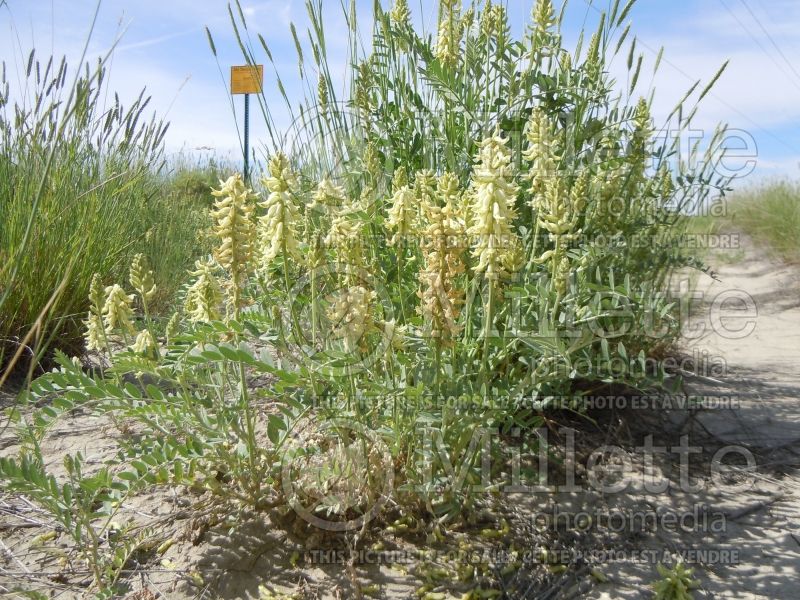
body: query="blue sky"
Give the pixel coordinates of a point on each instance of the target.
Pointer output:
(164, 48)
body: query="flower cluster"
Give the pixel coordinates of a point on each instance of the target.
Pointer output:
(448, 42)
(327, 195)
(204, 296)
(402, 211)
(277, 227)
(544, 20)
(350, 315)
(400, 13)
(118, 311)
(541, 153)
(145, 344)
(494, 21)
(345, 236)
(493, 196)
(442, 250)
(236, 230)
(95, 330)
(141, 278)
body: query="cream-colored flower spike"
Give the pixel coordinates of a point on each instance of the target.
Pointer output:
(425, 190)
(544, 40)
(402, 213)
(97, 293)
(493, 211)
(204, 296)
(328, 194)
(345, 236)
(277, 228)
(543, 15)
(351, 317)
(494, 21)
(442, 249)
(468, 20)
(95, 334)
(235, 228)
(541, 153)
(145, 344)
(117, 311)
(448, 42)
(141, 278)
(400, 13)
(451, 196)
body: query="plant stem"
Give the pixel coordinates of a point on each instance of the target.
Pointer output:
(489, 316)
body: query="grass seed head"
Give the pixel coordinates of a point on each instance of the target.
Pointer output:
(173, 327)
(322, 92)
(562, 276)
(594, 62)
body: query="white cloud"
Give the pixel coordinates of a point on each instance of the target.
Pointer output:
(758, 93)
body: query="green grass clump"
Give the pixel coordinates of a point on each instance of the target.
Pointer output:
(770, 213)
(81, 194)
(189, 177)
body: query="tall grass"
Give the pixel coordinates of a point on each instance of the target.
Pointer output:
(770, 213)
(80, 187)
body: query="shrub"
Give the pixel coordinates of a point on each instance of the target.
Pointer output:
(435, 236)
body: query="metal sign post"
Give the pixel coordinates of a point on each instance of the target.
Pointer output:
(247, 137)
(247, 79)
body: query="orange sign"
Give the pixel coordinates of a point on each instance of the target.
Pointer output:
(247, 79)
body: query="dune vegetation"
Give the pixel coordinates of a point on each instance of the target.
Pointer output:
(475, 237)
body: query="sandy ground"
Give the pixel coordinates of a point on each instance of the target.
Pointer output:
(743, 542)
(757, 390)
